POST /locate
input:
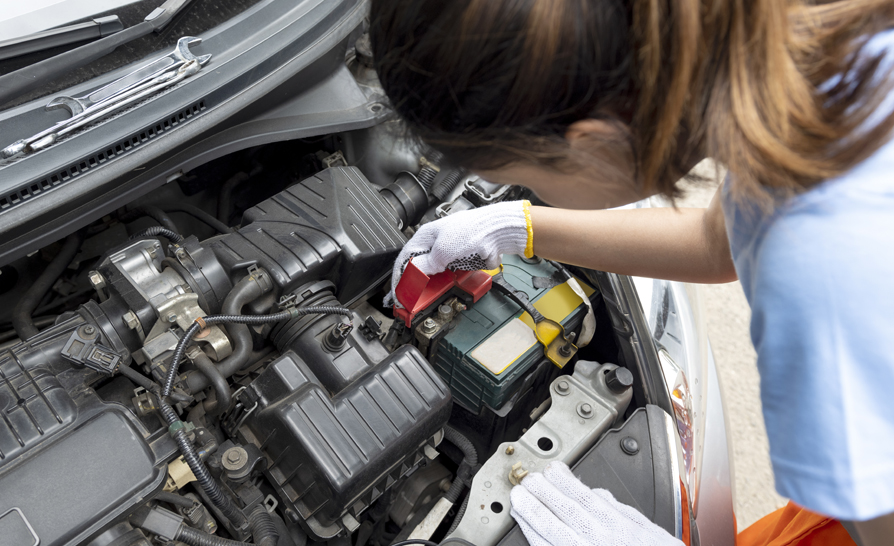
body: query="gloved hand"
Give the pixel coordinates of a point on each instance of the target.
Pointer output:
(556, 509)
(468, 241)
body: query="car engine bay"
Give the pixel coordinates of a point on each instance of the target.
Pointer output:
(213, 361)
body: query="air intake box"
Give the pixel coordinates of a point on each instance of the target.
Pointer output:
(333, 226)
(333, 454)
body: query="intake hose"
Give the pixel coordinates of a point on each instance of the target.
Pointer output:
(246, 291)
(263, 529)
(211, 320)
(21, 314)
(158, 215)
(470, 461)
(217, 380)
(200, 471)
(443, 188)
(172, 236)
(430, 169)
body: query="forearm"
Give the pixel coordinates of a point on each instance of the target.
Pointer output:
(686, 245)
(876, 532)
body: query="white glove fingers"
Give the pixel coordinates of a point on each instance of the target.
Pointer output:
(533, 537)
(627, 511)
(567, 509)
(541, 519)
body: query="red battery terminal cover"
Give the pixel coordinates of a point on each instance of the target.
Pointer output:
(416, 291)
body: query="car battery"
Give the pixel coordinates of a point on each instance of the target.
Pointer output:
(491, 345)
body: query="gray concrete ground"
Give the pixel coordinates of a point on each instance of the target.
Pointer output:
(728, 316)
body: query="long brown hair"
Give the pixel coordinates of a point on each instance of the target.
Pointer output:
(750, 83)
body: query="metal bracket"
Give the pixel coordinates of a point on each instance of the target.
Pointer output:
(560, 435)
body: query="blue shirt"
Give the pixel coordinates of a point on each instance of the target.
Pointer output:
(818, 271)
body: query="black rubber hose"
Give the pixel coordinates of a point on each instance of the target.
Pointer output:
(200, 215)
(200, 471)
(174, 498)
(263, 529)
(443, 188)
(225, 198)
(240, 319)
(218, 381)
(154, 231)
(470, 461)
(147, 383)
(194, 537)
(246, 291)
(137, 377)
(21, 314)
(159, 216)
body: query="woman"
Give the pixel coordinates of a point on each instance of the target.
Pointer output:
(596, 103)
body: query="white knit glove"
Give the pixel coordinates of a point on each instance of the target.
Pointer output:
(556, 509)
(468, 241)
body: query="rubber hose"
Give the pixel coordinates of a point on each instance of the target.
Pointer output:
(194, 537)
(159, 216)
(470, 460)
(172, 236)
(239, 319)
(21, 314)
(204, 478)
(443, 188)
(200, 215)
(427, 173)
(218, 381)
(225, 198)
(147, 383)
(246, 291)
(263, 529)
(174, 498)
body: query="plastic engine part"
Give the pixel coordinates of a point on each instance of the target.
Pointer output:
(332, 226)
(487, 354)
(335, 453)
(69, 463)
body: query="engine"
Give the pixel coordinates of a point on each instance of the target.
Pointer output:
(319, 426)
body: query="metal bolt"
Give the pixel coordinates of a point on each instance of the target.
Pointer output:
(131, 320)
(96, 280)
(171, 318)
(89, 330)
(234, 458)
(510, 450)
(429, 326)
(152, 251)
(585, 410)
(445, 313)
(563, 388)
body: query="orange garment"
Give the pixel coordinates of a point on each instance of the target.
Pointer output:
(795, 526)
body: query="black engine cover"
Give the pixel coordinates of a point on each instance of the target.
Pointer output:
(332, 226)
(335, 453)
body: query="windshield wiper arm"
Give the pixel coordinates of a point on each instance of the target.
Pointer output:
(55, 37)
(33, 76)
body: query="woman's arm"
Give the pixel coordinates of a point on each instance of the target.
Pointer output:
(876, 532)
(688, 245)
